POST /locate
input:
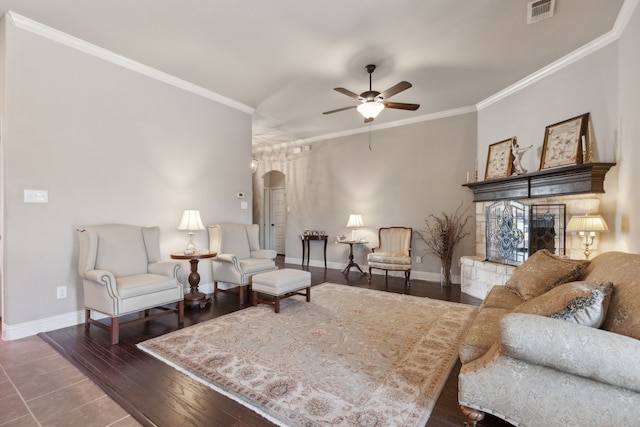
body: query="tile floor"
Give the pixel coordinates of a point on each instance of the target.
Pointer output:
(38, 387)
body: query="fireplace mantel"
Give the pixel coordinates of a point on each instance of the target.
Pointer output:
(574, 179)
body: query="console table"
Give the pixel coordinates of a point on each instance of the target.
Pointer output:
(305, 239)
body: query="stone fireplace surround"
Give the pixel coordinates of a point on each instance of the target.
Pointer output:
(479, 276)
(579, 187)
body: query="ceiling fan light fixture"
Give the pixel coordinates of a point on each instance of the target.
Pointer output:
(370, 109)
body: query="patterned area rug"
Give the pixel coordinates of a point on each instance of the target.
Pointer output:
(350, 357)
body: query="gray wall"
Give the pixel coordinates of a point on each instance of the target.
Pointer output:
(110, 146)
(606, 84)
(410, 172)
(627, 204)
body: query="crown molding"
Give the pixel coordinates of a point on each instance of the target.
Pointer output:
(42, 30)
(424, 118)
(624, 16)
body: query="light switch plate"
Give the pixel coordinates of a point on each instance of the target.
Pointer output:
(36, 196)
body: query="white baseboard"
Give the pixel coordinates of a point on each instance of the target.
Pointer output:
(34, 327)
(419, 275)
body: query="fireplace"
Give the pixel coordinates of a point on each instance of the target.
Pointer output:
(529, 213)
(542, 223)
(515, 230)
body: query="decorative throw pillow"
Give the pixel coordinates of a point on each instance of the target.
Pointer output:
(583, 303)
(543, 271)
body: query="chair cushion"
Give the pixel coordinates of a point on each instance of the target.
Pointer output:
(395, 239)
(541, 272)
(229, 238)
(143, 284)
(112, 238)
(388, 258)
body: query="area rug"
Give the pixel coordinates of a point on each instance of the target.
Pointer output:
(350, 357)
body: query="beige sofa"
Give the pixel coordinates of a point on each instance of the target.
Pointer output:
(533, 370)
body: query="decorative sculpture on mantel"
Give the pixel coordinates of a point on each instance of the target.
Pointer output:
(517, 158)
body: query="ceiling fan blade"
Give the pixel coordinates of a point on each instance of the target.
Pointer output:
(339, 109)
(394, 90)
(347, 92)
(401, 106)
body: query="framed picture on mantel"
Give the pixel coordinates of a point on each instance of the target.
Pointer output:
(499, 159)
(563, 143)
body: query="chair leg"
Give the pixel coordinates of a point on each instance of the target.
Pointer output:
(215, 289)
(115, 331)
(407, 277)
(180, 312)
(241, 294)
(369, 277)
(87, 317)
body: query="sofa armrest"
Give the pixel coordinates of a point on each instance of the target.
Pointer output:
(165, 268)
(580, 350)
(264, 253)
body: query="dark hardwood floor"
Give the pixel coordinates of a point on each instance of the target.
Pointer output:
(158, 395)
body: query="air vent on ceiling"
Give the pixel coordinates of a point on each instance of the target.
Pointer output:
(539, 10)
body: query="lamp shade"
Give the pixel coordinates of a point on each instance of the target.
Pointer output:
(190, 221)
(355, 221)
(370, 109)
(587, 223)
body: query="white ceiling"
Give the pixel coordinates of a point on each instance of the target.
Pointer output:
(284, 57)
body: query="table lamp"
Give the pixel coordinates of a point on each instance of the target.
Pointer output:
(584, 224)
(355, 222)
(190, 222)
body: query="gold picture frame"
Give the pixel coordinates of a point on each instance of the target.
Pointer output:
(499, 159)
(563, 142)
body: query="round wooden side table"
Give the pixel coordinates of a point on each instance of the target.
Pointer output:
(195, 297)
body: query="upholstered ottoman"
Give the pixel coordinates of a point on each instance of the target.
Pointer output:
(280, 284)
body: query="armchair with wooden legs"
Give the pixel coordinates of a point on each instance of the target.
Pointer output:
(393, 252)
(239, 257)
(122, 273)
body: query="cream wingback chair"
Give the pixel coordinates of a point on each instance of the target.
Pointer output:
(393, 252)
(239, 255)
(122, 273)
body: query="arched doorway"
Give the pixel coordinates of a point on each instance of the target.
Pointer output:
(274, 211)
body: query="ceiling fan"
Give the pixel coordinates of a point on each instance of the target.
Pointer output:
(373, 102)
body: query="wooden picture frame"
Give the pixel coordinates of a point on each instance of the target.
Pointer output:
(563, 142)
(499, 159)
